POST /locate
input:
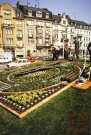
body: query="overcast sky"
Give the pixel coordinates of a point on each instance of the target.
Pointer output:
(76, 9)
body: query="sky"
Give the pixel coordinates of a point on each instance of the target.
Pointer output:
(76, 9)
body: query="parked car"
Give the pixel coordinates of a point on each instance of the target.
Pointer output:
(6, 60)
(40, 58)
(31, 59)
(19, 62)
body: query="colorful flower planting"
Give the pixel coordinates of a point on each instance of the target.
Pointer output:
(39, 81)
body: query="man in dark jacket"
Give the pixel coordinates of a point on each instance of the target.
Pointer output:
(77, 46)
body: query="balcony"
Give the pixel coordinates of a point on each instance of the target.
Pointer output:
(9, 46)
(39, 36)
(79, 35)
(30, 35)
(8, 25)
(72, 33)
(39, 26)
(42, 46)
(19, 36)
(47, 36)
(20, 46)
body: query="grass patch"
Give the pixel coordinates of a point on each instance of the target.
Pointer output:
(51, 118)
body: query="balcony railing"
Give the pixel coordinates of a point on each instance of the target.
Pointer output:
(19, 36)
(47, 36)
(79, 35)
(43, 46)
(8, 25)
(30, 35)
(10, 45)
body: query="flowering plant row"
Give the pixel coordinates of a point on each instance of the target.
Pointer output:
(25, 99)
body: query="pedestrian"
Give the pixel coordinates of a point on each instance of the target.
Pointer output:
(77, 46)
(66, 50)
(53, 50)
(89, 49)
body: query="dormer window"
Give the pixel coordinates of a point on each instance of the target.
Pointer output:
(47, 15)
(29, 13)
(39, 14)
(18, 14)
(64, 22)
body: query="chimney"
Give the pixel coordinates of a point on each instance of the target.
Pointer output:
(59, 14)
(19, 4)
(28, 4)
(35, 6)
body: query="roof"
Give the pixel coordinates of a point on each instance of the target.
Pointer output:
(56, 17)
(80, 22)
(45, 10)
(18, 10)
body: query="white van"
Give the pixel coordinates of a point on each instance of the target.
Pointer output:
(5, 59)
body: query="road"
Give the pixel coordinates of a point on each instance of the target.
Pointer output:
(3, 66)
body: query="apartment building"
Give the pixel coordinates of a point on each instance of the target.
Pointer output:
(38, 29)
(30, 31)
(65, 29)
(11, 32)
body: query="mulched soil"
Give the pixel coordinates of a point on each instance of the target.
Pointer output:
(1, 84)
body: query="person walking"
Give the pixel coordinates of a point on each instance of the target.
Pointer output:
(77, 46)
(53, 50)
(66, 51)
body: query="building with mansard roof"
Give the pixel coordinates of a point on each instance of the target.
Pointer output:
(30, 31)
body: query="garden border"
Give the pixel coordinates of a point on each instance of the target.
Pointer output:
(39, 104)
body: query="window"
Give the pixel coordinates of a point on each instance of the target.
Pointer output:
(30, 23)
(44, 50)
(64, 22)
(18, 14)
(40, 31)
(39, 14)
(34, 51)
(47, 15)
(40, 41)
(7, 21)
(19, 32)
(30, 32)
(30, 41)
(29, 13)
(19, 23)
(19, 42)
(39, 23)
(7, 12)
(47, 24)
(9, 40)
(9, 31)
(39, 51)
(89, 39)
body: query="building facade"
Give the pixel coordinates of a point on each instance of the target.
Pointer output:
(65, 29)
(38, 29)
(11, 32)
(30, 31)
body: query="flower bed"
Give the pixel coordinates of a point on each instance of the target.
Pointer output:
(22, 102)
(40, 78)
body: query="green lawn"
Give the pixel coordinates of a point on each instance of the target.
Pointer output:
(51, 118)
